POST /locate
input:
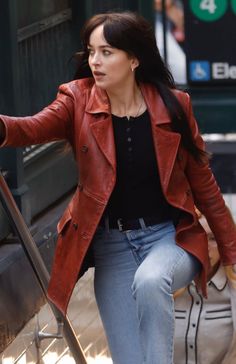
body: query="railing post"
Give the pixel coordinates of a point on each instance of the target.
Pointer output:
(39, 268)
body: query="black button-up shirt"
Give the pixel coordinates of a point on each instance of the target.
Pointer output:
(137, 192)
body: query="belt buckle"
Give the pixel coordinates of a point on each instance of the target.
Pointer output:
(120, 225)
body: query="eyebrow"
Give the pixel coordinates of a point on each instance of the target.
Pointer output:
(101, 46)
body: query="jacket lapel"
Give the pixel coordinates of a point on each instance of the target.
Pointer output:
(103, 133)
(166, 142)
(166, 146)
(101, 125)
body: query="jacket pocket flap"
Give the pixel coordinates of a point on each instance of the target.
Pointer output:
(66, 217)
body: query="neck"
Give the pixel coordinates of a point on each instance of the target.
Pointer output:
(126, 101)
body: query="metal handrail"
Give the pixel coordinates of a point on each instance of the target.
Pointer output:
(39, 268)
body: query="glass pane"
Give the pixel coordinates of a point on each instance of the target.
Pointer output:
(175, 37)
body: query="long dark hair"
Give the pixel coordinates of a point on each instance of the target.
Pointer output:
(134, 34)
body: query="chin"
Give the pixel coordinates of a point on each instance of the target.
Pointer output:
(101, 85)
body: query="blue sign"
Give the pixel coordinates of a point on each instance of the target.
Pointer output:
(210, 35)
(200, 70)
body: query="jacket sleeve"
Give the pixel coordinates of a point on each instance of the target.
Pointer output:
(209, 200)
(55, 122)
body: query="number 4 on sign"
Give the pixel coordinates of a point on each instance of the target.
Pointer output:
(208, 5)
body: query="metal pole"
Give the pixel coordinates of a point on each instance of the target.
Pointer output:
(163, 8)
(37, 263)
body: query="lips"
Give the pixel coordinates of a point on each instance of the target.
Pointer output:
(97, 73)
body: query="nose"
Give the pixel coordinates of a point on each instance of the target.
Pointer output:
(95, 59)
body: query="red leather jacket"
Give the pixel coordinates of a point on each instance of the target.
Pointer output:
(81, 114)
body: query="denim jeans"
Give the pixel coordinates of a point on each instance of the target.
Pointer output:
(136, 272)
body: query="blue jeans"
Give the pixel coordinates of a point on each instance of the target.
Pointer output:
(136, 272)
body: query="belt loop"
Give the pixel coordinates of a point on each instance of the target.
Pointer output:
(120, 224)
(142, 223)
(107, 224)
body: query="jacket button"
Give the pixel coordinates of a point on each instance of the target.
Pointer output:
(80, 186)
(75, 225)
(188, 192)
(84, 149)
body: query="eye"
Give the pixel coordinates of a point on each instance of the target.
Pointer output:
(90, 51)
(106, 52)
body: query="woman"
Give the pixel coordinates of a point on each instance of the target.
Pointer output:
(142, 168)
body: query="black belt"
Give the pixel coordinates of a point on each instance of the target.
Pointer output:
(133, 224)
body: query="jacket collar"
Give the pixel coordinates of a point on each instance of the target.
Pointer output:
(155, 104)
(99, 103)
(219, 280)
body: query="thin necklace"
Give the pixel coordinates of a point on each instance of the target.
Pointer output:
(139, 108)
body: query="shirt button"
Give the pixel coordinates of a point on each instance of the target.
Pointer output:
(193, 325)
(129, 140)
(197, 303)
(84, 149)
(128, 130)
(191, 346)
(75, 225)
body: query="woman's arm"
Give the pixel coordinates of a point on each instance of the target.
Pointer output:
(54, 122)
(209, 200)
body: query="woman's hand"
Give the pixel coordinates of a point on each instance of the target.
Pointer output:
(230, 271)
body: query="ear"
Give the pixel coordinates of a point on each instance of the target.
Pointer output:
(134, 63)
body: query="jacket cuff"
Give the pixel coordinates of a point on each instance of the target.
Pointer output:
(4, 141)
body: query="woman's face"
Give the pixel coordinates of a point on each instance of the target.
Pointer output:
(111, 67)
